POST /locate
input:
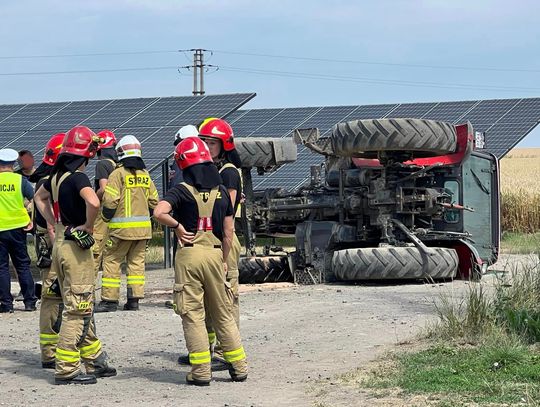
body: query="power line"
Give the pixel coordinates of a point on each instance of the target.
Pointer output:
(96, 54)
(149, 68)
(349, 61)
(301, 75)
(304, 75)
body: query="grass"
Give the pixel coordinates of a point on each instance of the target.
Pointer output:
(484, 348)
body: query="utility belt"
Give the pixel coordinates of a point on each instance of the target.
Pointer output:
(216, 246)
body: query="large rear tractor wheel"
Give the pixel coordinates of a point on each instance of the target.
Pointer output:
(394, 263)
(264, 269)
(366, 138)
(265, 152)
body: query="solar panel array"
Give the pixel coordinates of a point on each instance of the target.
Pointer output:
(505, 122)
(154, 121)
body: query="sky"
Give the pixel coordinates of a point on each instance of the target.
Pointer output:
(291, 53)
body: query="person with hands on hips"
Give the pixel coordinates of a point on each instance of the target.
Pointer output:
(200, 212)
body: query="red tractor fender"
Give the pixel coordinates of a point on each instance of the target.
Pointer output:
(465, 146)
(470, 264)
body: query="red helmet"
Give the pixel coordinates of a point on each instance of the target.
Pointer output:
(191, 151)
(218, 129)
(108, 137)
(52, 149)
(81, 141)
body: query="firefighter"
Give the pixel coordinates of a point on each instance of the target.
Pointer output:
(106, 164)
(75, 206)
(202, 218)
(50, 313)
(14, 223)
(219, 137)
(130, 196)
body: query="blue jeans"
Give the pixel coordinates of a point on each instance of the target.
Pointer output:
(13, 244)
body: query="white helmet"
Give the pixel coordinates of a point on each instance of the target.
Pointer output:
(185, 132)
(128, 146)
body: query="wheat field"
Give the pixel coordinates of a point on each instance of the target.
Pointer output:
(520, 190)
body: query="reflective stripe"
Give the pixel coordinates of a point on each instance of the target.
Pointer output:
(91, 350)
(111, 190)
(67, 355)
(234, 355)
(199, 358)
(48, 339)
(110, 282)
(134, 280)
(126, 225)
(211, 337)
(127, 203)
(156, 194)
(130, 222)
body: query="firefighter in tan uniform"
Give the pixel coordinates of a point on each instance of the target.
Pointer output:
(106, 164)
(50, 313)
(130, 196)
(75, 206)
(219, 137)
(203, 222)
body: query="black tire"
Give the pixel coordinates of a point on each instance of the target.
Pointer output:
(267, 152)
(264, 269)
(394, 263)
(364, 138)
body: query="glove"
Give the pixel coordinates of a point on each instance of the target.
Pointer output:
(44, 253)
(83, 239)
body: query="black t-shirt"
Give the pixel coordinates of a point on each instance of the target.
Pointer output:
(38, 217)
(104, 167)
(186, 212)
(72, 206)
(231, 180)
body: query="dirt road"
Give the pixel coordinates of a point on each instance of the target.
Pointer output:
(293, 336)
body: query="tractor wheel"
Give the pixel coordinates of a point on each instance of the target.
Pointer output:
(394, 263)
(267, 152)
(264, 269)
(364, 138)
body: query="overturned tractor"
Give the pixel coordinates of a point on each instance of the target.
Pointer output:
(393, 199)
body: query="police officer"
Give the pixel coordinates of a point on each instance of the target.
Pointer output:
(75, 208)
(14, 223)
(219, 137)
(50, 313)
(105, 166)
(203, 222)
(130, 196)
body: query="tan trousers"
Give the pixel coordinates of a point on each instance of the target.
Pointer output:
(232, 278)
(50, 312)
(199, 282)
(77, 339)
(100, 236)
(116, 251)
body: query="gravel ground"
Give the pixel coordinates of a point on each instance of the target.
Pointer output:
(294, 337)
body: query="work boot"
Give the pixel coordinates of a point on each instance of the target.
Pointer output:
(219, 364)
(132, 304)
(239, 371)
(6, 309)
(48, 365)
(184, 360)
(106, 306)
(79, 379)
(30, 307)
(102, 368)
(196, 382)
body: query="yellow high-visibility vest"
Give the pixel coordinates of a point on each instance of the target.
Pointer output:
(13, 214)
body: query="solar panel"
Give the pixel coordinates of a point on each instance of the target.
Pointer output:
(8, 110)
(71, 115)
(30, 116)
(117, 113)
